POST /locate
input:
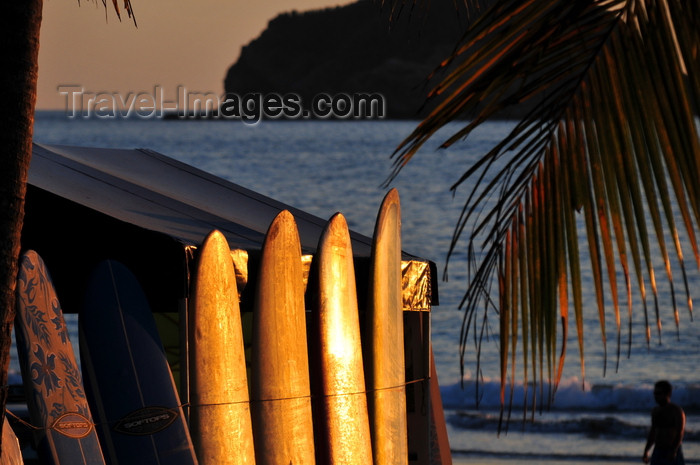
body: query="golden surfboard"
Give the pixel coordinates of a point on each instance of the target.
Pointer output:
(280, 390)
(344, 435)
(220, 410)
(384, 355)
(11, 452)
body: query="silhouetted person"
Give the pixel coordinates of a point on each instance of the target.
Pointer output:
(667, 427)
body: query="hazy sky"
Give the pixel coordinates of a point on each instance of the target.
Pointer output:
(177, 43)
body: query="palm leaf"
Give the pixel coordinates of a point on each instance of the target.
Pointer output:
(396, 8)
(115, 4)
(609, 140)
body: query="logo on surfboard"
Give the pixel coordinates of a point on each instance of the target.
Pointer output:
(146, 421)
(73, 425)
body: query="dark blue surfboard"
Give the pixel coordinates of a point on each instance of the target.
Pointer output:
(127, 378)
(56, 399)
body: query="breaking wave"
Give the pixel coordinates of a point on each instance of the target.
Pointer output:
(570, 395)
(609, 411)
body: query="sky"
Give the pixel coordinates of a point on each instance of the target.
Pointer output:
(177, 43)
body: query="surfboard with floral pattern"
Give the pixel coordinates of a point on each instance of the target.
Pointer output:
(65, 431)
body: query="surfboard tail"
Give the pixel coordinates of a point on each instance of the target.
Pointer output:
(281, 398)
(385, 362)
(220, 416)
(341, 401)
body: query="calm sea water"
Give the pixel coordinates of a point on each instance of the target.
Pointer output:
(324, 167)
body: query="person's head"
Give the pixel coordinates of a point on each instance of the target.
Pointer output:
(662, 392)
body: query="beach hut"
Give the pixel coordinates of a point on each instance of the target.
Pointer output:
(152, 213)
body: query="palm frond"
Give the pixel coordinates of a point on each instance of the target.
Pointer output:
(396, 8)
(610, 137)
(115, 4)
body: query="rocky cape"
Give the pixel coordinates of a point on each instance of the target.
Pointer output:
(358, 48)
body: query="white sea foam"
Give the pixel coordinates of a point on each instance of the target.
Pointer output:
(571, 395)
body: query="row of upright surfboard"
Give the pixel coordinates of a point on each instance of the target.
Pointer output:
(126, 410)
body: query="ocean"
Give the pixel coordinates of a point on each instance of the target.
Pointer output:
(328, 166)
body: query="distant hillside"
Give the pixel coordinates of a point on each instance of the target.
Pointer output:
(350, 49)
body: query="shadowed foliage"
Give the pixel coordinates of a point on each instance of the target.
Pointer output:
(611, 145)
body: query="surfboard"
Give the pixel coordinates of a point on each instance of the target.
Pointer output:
(344, 430)
(440, 447)
(220, 410)
(168, 324)
(56, 399)
(127, 377)
(384, 354)
(11, 452)
(280, 388)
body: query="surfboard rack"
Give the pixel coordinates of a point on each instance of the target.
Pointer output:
(152, 212)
